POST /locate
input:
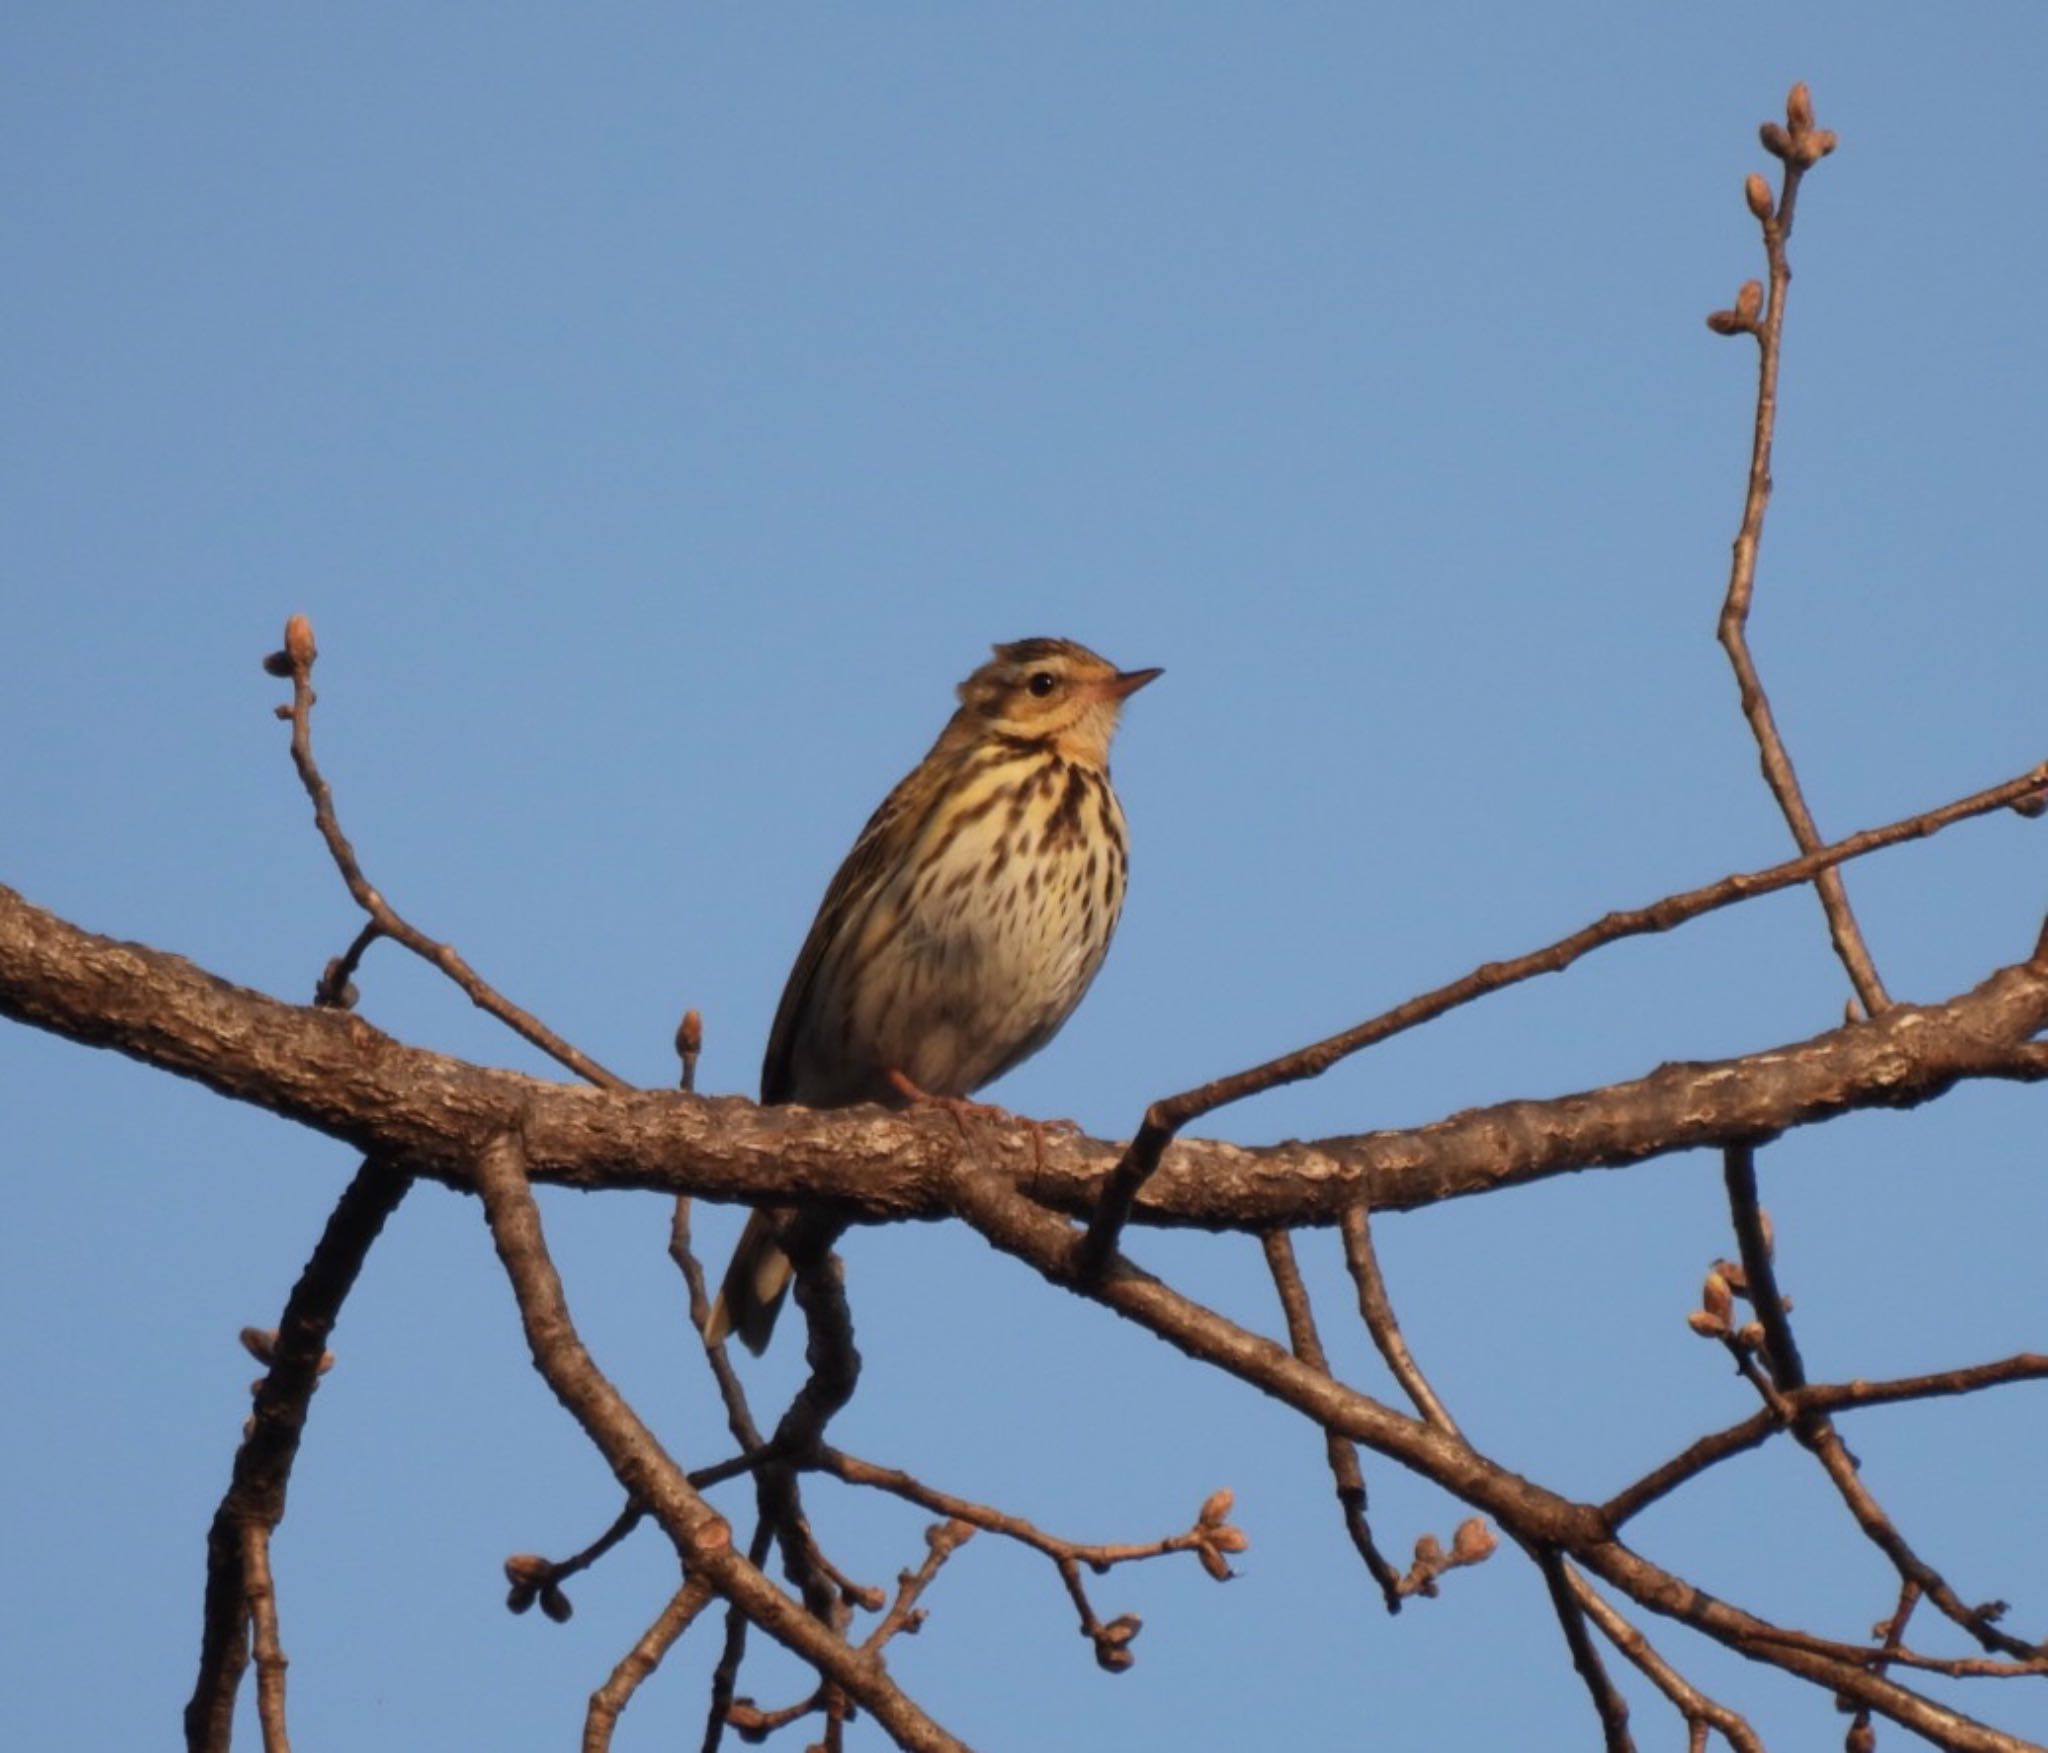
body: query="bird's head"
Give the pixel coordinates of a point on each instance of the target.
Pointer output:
(1050, 691)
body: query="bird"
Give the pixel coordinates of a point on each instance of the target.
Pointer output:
(963, 928)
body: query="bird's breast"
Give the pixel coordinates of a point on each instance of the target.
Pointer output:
(995, 926)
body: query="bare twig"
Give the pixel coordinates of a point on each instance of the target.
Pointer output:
(296, 661)
(255, 1497)
(640, 1661)
(1800, 146)
(941, 1540)
(1700, 1711)
(1211, 1538)
(725, 1676)
(1377, 1311)
(1348, 1475)
(1165, 1118)
(269, 1649)
(1608, 1703)
(1759, 1427)
(1816, 1431)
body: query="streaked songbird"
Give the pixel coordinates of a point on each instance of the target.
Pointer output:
(964, 926)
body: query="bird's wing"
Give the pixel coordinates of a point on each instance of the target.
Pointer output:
(889, 832)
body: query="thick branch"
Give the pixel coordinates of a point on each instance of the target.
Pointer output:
(334, 1072)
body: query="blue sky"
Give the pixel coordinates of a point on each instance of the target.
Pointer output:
(657, 410)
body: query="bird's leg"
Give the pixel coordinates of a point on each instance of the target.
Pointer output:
(961, 1108)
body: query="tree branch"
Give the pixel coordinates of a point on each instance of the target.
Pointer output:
(334, 1072)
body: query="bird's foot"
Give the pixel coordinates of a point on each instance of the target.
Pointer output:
(962, 1109)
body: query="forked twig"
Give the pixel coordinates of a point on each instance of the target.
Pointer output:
(1700, 1711)
(1799, 145)
(295, 661)
(1345, 1470)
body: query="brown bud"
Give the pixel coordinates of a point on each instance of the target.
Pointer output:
(1776, 141)
(1120, 1630)
(1799, 108)
(280, 712)
(690, 1033)
(555, 1605)
(1113, 1660)
(945, 1536)
(1429, 1551)
(298, 642)
(527, 1567)
(1731, 1270)
(1705, 1325)
(1763, 1222)
(1214, 1563)
(1216, 1506)
(1230, 1540)
(1473, 1541)
(260, 1343)
(1716, 1298)
(1751, 1338)
(2033, 806)
(278, 663)
(1722, 322)
(1757, 193)
(1862, 1738)
(1749, 302)
(1817, 145)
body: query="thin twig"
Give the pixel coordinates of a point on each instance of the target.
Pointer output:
(942, 1540)
(1816, 1431)
(269, 1648)
(1211, 1538)
(1800, 138)
(1700, 1711)
(640, 1661)
(725, 1676)
(1608, 1703)
(1345, 1470)
(1377, 1311)
(296, 661)
(255, 1496)
(1718, 1445)
(1166, 1117)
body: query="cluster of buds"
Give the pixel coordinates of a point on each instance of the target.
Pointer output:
(1715, 1317)
(533, 1579)
(1747, 316)
(1800, 145)
(1473, 1543)
(1798, 142)
(1725, 1281)
(1214, 1536)
(1113, 1642)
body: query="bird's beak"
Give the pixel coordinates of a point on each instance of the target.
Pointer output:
(1125, 683)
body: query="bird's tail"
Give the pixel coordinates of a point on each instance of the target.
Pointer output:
(755, 1284)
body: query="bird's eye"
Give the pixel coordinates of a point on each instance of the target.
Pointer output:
(1043, 683)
